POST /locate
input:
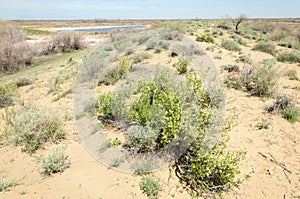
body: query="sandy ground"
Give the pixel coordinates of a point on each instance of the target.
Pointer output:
(86, 178)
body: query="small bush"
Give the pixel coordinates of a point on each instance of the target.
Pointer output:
(231, 45)
(24, 81)
(8, 94)
(14, 51)
(157, 51)
(245, 59)
(267, 47)
(31, 127)
(55, 161)
(64, 42)
(205, 38)
(261, 81)
(289, 56)
(231, 68)
(150, 186)
(6, 185)
(291, 114)
(141, 139)
(182, 66)
(141, 56)
(282, 102)
(113, 74)
(292, 74)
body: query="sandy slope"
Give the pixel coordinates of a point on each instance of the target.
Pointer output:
(87, 178)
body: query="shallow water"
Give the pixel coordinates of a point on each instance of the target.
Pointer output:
(105, 30)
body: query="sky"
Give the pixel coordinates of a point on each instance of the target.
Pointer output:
(146, 9)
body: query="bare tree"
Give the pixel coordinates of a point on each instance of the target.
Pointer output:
(240, 18)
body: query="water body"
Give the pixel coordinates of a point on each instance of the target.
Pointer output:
(105, 30)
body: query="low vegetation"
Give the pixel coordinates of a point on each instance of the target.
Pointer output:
(267, 47)
(56, 161)
(8, 93)
(230, 45)
(7, 185)
(32, 126)
(150, 186)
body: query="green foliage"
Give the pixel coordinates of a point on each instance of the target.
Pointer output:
(157, 51)
(182, 66)
(231, 45)
(31, 127)
(55, 161)
(291, 114)
(288, 56)
(150, 186)
(116, 162)
(6, 185)
(214, 169)
(267, 47)
(245, 59)
(231, 68)
(141, 168)
(8, 94)
(108, 144)
(205, 38)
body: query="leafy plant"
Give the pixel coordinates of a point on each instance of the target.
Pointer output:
(31, 127)
(291, 114)
(141, 168)
(116, 162)
(288, 56)
(182, 66)
(139, 57)
(24, 81)
(55, 161)
(150, 186)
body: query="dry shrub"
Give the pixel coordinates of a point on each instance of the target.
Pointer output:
(64, 42)
(14, 51)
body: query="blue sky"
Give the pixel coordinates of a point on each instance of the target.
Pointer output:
(147, 9)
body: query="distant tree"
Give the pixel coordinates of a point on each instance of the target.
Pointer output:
(240, 18)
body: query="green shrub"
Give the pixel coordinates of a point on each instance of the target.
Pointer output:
(8, 94)
(55, 161)
(205, 38)
(267, 47)
(244, 58)
(291, 114)
(231, 45)
(6, 185)
(289, 56)
(116, 162)
(143, 167)
(282, 102)
(182, 65)
(31, 127)
(150, 186)
(112, 74)
(157, 51)
(231, 68)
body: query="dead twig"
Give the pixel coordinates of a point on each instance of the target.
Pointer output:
(272, 159)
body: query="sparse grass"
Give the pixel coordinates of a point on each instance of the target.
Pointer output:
(150, 186)
(8, 93)
(32, 126)
(56, 161)
(141, 168)
(230, 45)
(7, 185)
(245, 59)
(292, 74)
(116, 162)
(33, 31)
(108, 144)
(264, 124)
